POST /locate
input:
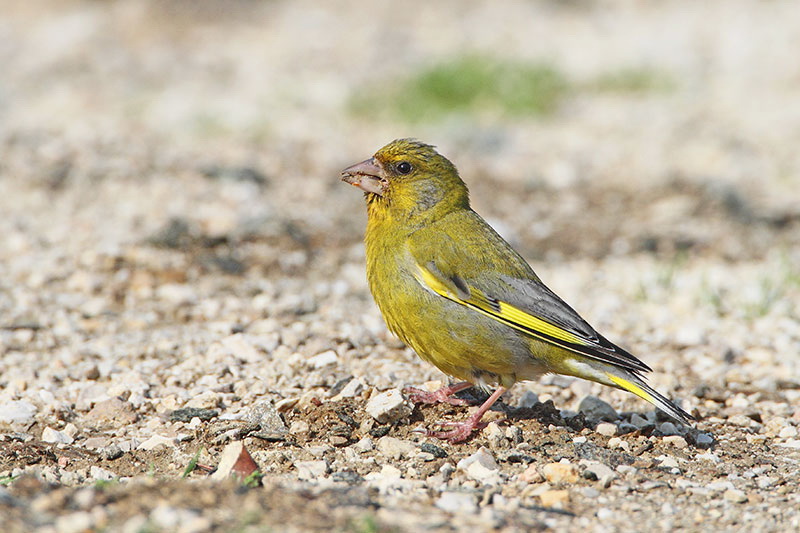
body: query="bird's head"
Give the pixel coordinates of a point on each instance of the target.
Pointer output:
(409, 177)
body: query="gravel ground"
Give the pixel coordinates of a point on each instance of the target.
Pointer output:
(182, 274)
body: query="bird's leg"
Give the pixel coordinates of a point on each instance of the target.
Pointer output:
(462, 430)
(442, 395)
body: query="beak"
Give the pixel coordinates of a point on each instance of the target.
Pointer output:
(367, 176)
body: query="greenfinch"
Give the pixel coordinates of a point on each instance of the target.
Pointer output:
(463, 299)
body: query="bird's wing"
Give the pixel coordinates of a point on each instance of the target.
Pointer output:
(523, 303)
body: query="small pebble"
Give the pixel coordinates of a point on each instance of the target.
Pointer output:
(321, 360)
(311, 470)
(554, 498)
(676, 440)
(560, 473)
(703, 440)
(668, 428)
(155, 441)
(531, 475)
(480, 466)
(74, 522)
(606, 428)
(668, 462)
(457, 503)
(596, 409)
(616, 442)
(57, 437)
(389, 406)
(605, 514)
(735, 496)
(395, 448)
(17, 412)
(364, 445)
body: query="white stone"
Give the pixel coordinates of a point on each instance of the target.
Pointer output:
(57, 437)
(311, 470)
(298, 427)
(606, 428)
(616, 442)
(708, 456)
(601, 471)
(101, 473)
(495, 434)
(604, 513)
(668, 462)
(176, 293)
(389, 406)
(17, 412)
(353, 388)
(74, 522)
(765, 482)
(480, 466)
(482, 456)
(735, 496)
(320, 450)
(395, 448)
(457, 503)
(71, 430)
(676, 440)
(719, 486)
(156, 441)
(241, 347)
(205, 400)
(364, 445)
(321, 360)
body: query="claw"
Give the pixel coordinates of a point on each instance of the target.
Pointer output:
(423, 396)
(460, 432)
(443, 395)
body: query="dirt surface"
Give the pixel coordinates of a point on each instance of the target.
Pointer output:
(181, 271)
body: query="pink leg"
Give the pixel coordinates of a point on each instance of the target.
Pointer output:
(442, 395)
(462, 430)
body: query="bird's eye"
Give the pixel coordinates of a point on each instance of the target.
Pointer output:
(404, 167)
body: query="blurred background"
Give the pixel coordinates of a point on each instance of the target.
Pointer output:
(585, 127)
(176, 164)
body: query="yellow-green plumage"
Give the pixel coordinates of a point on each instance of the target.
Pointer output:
(457, 293)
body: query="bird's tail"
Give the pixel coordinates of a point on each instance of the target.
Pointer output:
(635, 384)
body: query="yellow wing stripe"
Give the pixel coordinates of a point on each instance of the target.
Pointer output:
(434, 284)
(518, 316)
(631, 387)
(507, 313)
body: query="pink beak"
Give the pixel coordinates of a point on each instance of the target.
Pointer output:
(367, 176)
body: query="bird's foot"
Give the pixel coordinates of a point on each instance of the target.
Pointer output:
(460, 432)
(443, 395)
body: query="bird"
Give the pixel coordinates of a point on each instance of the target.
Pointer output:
(452, 289)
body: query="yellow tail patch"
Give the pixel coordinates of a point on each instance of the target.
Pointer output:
(631, 387)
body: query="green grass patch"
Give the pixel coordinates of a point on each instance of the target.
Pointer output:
(192, 463)
(632, 81)
(481, 85)
(469, 84)
(102, 484)
(5, 481)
